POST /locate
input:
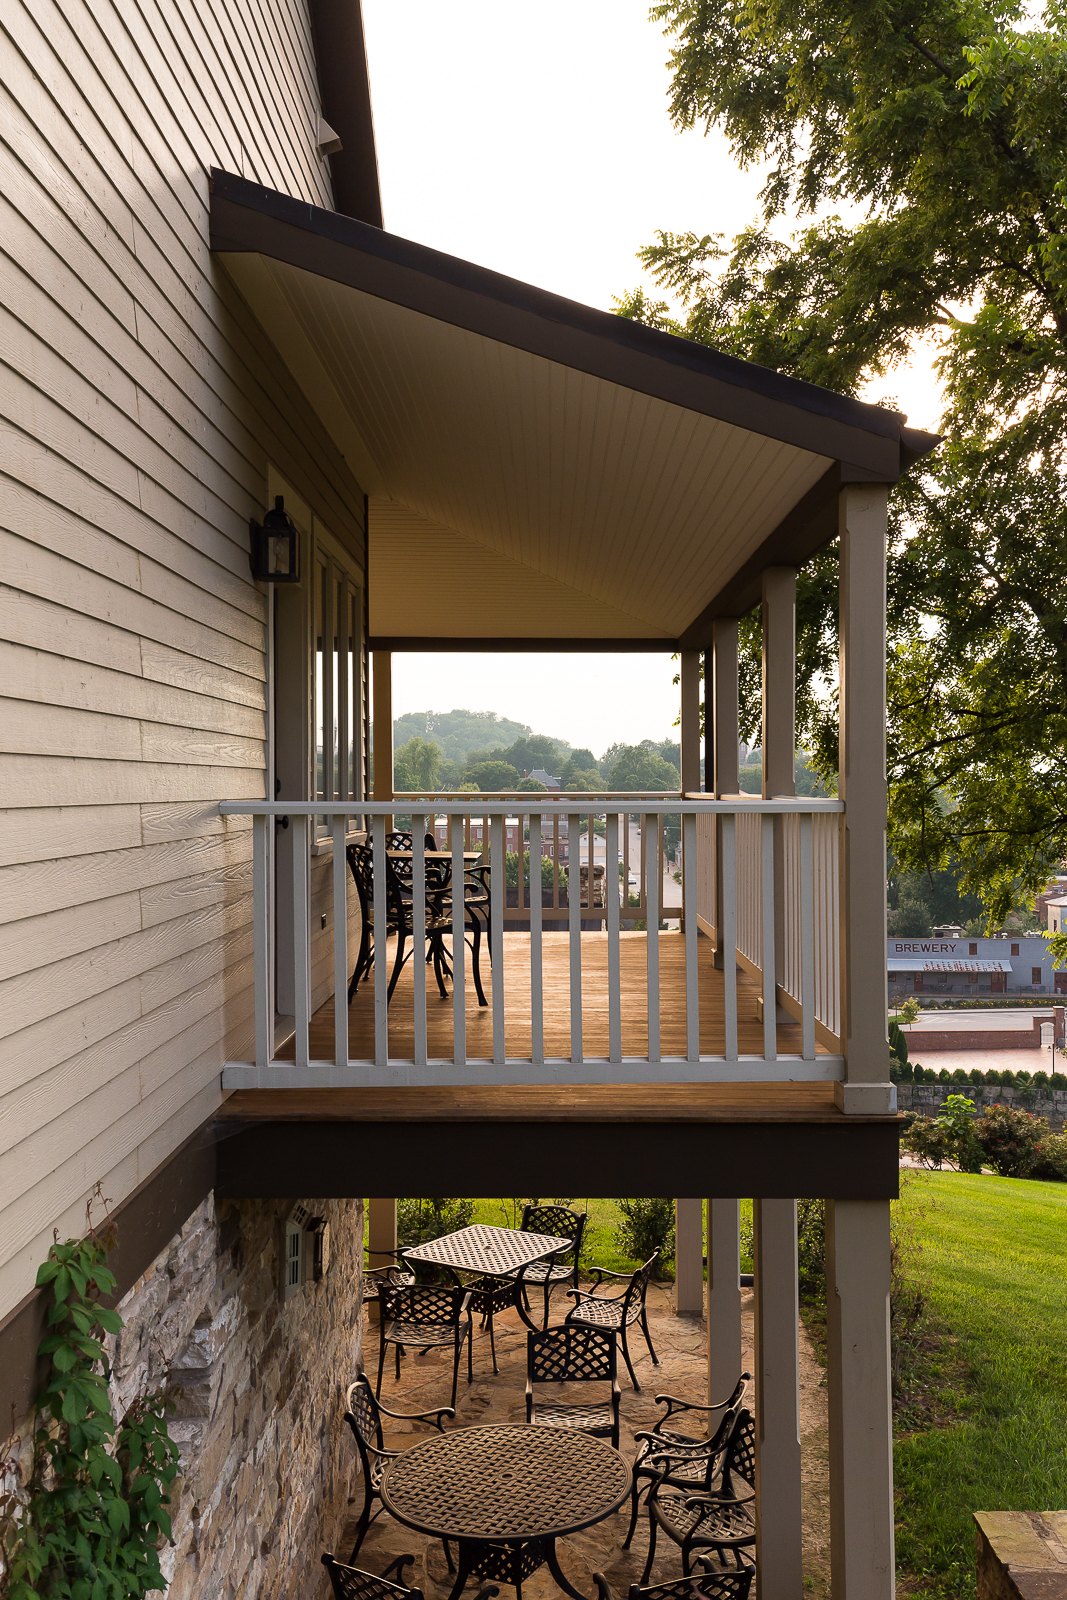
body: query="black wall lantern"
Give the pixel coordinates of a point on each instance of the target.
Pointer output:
(275, 546)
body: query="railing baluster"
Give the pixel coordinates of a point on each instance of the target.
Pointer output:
(302, 983)
(340, 942)
(625, 822)
(611, 907)
(459, 952)
(806, 937)
(497, 880)
(418, 934)
(765, 824)
(537, 1013)
(381, 957)
(652, 894)
(689, 910)
(729, 932)
(574, 905)
(261, 938)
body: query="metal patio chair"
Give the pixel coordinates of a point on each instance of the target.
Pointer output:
(574, 1354)
(399, 921)
(711, 1583)
(722, 1520)
(617, 1312)
(426, 1316)
(395, 1273)
(688, 1472)
(363, 1413)
(487, 1297)
(349, 1583)
(560, 1223)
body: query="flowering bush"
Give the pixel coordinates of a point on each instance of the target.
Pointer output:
(1011, 1140)
(1051, 1158)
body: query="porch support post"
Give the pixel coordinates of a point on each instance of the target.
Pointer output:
(779, 1555)
(382, 723)
(724, 1298)
(381, 1236)
(688, 1258)
(862, 786)
(726, 780)
(779, 722)
(690, 721)
(860, 1416)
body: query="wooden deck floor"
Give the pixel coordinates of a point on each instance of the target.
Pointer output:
(556, 986)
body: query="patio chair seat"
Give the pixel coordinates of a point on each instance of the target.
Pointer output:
(690, 1464)
(612, 1314)
(722, 1520)
(595, 1419)
(426, 1335)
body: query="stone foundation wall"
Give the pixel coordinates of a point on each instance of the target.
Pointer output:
(267, 1470)
(928, 1099)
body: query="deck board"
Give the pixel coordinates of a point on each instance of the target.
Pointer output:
(557, 1015)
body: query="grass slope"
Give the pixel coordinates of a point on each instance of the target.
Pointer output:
(993, 1264)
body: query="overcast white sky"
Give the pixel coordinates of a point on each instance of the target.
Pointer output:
(536, 141)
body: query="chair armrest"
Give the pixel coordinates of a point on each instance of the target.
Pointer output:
(709, 1500)
(398, 1566)
(603, 1587)
(590, 1294)
(419, 1416)
(487, 1591)
(465, 1304)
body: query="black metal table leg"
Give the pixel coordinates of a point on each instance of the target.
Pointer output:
(558, 1573)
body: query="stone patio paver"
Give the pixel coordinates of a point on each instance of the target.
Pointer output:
(681, 1347)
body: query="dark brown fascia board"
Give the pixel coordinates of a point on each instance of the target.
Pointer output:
(844, 1160)
(245, 217)
(146, 1222)
(810, 525)
(436, 646)
(344, 90)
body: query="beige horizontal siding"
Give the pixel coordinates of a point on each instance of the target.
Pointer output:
(140, 407)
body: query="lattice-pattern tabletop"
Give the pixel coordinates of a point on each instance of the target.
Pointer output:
(492, 1251)
(505, 1483)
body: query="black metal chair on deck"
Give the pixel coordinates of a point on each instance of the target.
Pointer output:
(617, 1312)
(425, 1315)
(723, 1519)
(398, 920)
(712, 1583)
(559, 1223)
(363, 1413)
(574, 1355)
(688, 1468)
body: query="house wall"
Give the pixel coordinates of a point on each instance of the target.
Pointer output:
(142, 407)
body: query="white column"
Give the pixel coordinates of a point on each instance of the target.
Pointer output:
(382, 723)
(777, 1360)
(381, 1236)
(689, 725)
(862, 786)
(779, 722)
(724, 704)
(724, 1298)
(688, 1258)
(860, 1413)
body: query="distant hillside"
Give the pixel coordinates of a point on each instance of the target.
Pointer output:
(460, 732)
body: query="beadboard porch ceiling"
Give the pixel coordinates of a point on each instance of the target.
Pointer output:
(538, 470)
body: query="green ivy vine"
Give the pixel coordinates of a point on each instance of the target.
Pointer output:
(87, 1519)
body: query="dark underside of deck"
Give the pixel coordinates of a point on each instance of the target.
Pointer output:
(774, 1140)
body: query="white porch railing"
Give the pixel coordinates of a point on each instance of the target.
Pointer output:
(745, 847)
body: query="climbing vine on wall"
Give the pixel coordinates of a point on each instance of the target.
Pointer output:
(85, 1520)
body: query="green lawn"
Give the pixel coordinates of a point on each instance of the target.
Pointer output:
(993, 1262)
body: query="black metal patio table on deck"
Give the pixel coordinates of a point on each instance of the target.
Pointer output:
(490, 1252)
(505, 1495)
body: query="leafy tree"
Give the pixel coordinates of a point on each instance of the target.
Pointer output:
(941, 127)
(910, 920)
(491, 775)
(459, 732)
(531, 786)
(638, 766)
(417, 765)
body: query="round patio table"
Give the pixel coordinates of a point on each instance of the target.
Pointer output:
(504, 1495)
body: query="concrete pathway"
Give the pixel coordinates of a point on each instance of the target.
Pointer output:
(681, 1346)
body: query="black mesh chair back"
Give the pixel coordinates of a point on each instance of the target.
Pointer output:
(559, 1223)
(349, 1583)
(425, 1303)
(740, 1458)
(571, 1354)
(634, 1303)
(712, 1584)
(364, 1418)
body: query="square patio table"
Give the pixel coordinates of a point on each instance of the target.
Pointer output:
(490, 1252)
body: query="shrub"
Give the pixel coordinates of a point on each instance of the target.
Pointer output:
(1058, 1080)
(417, 1221)
(926, 1139)
(1040, 1080)
(959, 1076)
(1007, 1079)
(956, 1118)
(1051, 1160)
(646, 1226)
(976, 1076)
(1010, 1139)
(898, 1044)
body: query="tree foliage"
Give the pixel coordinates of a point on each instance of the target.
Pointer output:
(922, 145)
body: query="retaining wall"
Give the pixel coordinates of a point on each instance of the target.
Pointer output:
(928, 1098)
